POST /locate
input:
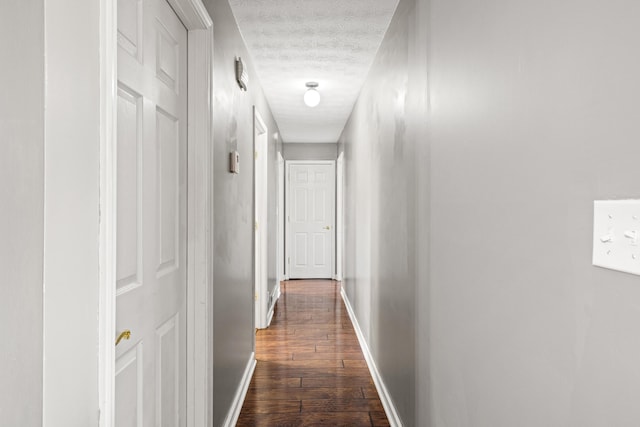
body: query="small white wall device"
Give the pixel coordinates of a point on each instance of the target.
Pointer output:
(234, 162)
(616, 235)
(241, 74)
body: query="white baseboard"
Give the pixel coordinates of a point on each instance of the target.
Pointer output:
(387, 403)
(276, 296)
(241, 393)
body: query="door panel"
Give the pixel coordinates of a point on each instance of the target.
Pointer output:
(129, 378)
(129, 233)
(168, 195)
(300, 199)
(320, 249)
(167, 374)
(311, 220)
(151, 222)
(300, 252)
(319, 212)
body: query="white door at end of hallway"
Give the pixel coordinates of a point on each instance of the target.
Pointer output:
(151, 232)
(311, 219)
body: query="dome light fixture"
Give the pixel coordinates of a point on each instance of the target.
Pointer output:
(312, 96)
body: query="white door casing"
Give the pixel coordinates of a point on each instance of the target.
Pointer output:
(261, 150)
(310, 204)
(339, 216)
(116, 97)
(281, 219)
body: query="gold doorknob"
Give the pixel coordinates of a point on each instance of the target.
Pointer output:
(327, 227)
(126, 334)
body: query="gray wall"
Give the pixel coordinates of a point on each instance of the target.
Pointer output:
(50, 276)
(310, 151)
(386, 212)
(72, 213)
(233, 208)
(534, 115)
(21, 215)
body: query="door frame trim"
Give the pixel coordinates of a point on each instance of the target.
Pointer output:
(287, 231)
(280, 271)
(199, 373)
(261, 219)
(339, 255)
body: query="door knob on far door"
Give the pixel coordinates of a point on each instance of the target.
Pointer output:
(327, 227)
(126, 334)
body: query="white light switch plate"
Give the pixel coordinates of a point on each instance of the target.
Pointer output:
(616, 235)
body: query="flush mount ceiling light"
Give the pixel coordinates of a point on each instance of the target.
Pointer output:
(312, 96)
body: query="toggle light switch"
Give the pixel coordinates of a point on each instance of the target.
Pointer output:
(607, 238)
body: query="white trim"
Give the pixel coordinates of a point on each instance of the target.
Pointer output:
(108, 209)
(281, 216)
(200, 227)
(260, 217)
(287, 233)
(241, 393)
(276, 297)
(200, 198)
(339, 217)
(385, 397)
(192, 13)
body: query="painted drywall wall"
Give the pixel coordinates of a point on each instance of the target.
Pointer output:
(386, 212)
(71, 245)
(233, 208)
(310, 151)
(534, 115)
(21, 215)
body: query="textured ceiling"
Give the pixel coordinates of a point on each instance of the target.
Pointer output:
(332, 42)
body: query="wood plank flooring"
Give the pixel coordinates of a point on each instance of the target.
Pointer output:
(310, 369)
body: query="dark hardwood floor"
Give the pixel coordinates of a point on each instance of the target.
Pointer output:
(310, 369)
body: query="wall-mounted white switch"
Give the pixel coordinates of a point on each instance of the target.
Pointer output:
(616, 229)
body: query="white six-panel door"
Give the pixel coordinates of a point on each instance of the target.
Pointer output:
(150, 382)
(311, 219)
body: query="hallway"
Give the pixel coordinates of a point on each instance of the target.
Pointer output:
(310, 368)
(474, 142)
